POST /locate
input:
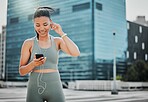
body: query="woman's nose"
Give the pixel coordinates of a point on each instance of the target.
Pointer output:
(41, 27)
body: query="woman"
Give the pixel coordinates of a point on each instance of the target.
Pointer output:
(44, 81)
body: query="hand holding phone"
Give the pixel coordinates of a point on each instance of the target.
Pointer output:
(39, 59)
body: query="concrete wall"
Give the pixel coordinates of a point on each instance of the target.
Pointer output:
(106, 85)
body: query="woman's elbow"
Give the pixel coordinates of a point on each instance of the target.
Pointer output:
(21, 72)
(76, 54)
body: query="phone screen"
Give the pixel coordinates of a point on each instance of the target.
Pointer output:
(39, 55)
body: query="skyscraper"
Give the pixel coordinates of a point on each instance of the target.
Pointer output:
(89, 23)
(110, 37)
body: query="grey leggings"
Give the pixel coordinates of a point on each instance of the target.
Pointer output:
(53, 91)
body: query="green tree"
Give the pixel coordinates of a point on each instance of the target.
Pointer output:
(138, 71)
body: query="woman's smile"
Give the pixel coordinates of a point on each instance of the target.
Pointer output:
(42, 32)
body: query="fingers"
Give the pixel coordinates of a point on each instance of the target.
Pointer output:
(39, 61)
(54, 26)
(44, 60)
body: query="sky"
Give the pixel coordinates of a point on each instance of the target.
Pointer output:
(134, 8)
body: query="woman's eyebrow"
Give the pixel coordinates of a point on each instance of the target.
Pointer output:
(45, 23)
(37, 23)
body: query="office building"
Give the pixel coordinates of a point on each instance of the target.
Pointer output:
(98, 27)
(137, 42)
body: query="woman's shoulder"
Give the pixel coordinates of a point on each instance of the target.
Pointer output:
(57, 38)
(29, 41)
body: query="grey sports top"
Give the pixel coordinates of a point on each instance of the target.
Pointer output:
(50, 53)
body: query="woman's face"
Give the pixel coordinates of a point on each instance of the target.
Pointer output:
(42, 25)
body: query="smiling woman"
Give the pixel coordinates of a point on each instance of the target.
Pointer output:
(44, 82)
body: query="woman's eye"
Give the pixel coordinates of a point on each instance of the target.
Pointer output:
(37, 25)
(45, 24)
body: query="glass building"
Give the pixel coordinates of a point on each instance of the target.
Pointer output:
(110, 37)
(89, 23)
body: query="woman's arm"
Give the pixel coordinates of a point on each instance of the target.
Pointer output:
(25, 67)
(68, 46)
(65, 43)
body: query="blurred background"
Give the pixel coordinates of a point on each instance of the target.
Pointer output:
(112, 36)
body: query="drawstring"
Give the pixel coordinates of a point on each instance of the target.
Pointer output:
(41, 88)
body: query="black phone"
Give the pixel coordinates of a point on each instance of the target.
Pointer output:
(39, 55)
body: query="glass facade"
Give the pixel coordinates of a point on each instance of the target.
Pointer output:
(110, 35)
(19, 28)
(89, 23)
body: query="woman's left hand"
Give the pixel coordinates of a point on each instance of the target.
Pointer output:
(57, 28)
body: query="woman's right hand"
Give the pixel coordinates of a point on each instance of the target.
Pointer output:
(39, 61)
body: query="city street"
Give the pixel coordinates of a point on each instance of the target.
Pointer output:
(87, 46)
(19, 94)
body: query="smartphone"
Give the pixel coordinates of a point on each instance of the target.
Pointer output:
(39, 55)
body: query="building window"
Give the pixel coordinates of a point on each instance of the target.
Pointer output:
(136, 39)
(80, 7)
(128, 27)
(99, 6)
(143, 46)
(30, 17)
(127, 54)
(140, 29)
(56, 12)
(135, 55)
(14, 20)
(146, 57)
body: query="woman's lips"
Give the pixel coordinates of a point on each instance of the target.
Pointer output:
(42, 32)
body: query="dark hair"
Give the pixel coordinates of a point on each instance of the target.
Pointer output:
(43, 11)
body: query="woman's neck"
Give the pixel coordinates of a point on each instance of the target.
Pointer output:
(44, 38)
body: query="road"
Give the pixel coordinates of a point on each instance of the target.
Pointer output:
(19, 94)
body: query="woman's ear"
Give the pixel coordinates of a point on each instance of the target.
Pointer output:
(51, 23)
